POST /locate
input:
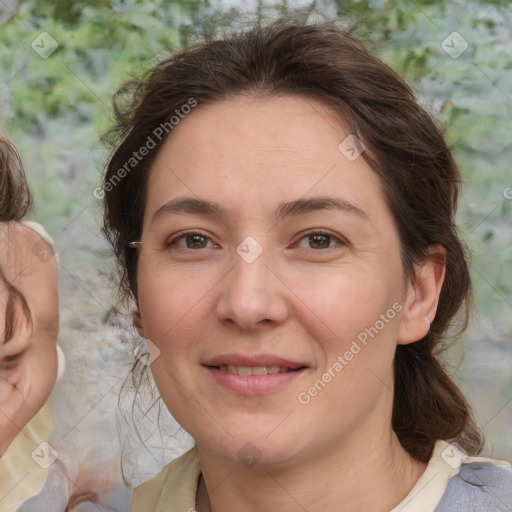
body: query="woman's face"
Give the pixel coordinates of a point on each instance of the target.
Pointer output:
(295, 271)
(28, 361)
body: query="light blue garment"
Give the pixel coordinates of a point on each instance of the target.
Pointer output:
(479, 487)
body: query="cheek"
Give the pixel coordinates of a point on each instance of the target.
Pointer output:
(11, 378)
(165, 307)
(28, 386)
(41, 371)
(356, 335)
(172, 316)
(170, 295)
(348, 302)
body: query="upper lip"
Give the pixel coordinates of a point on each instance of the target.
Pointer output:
(252, 361)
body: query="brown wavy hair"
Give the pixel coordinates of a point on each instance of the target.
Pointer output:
(15, 203)
(404, 146)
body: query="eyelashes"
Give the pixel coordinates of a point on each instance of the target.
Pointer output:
(199, 240)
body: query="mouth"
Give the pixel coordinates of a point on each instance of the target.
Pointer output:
(256, 370)
(258, 364)
(254, 375)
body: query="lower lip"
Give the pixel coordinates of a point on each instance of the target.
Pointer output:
(254, 384)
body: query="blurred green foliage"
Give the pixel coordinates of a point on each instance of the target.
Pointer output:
(56, 108)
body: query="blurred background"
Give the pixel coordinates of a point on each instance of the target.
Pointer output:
(62, 61)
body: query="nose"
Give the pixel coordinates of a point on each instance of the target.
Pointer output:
(253, 295)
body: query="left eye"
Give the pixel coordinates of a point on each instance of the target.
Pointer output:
(321, 239)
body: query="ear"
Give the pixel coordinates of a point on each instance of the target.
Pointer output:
(422, 296)
(137, 322)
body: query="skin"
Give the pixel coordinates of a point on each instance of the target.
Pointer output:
(28, 362)
(298, 300)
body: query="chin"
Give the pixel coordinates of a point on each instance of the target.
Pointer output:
(256, 448)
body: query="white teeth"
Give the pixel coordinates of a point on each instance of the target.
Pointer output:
(259, 370)
(253, 370)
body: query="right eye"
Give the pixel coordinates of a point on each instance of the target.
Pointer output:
(193, 240)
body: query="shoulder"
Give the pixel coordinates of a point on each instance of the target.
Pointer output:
(41, 231)
(174, 488)
(26, 246)
(481, 485)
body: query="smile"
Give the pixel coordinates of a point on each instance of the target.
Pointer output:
(255, 374)
(255, 370)
(254, 383)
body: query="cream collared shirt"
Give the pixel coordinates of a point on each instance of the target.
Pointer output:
(24, 466)
(174, 489)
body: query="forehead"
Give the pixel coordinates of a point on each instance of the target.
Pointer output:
(249, 153)
(243, 129)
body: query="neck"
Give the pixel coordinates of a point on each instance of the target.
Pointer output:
(370, 475)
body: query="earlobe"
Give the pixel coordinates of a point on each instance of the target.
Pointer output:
(137, 322)
(422, 296)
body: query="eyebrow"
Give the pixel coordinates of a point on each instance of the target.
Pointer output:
(192, 205)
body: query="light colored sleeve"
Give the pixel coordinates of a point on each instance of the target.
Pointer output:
(480, 486)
